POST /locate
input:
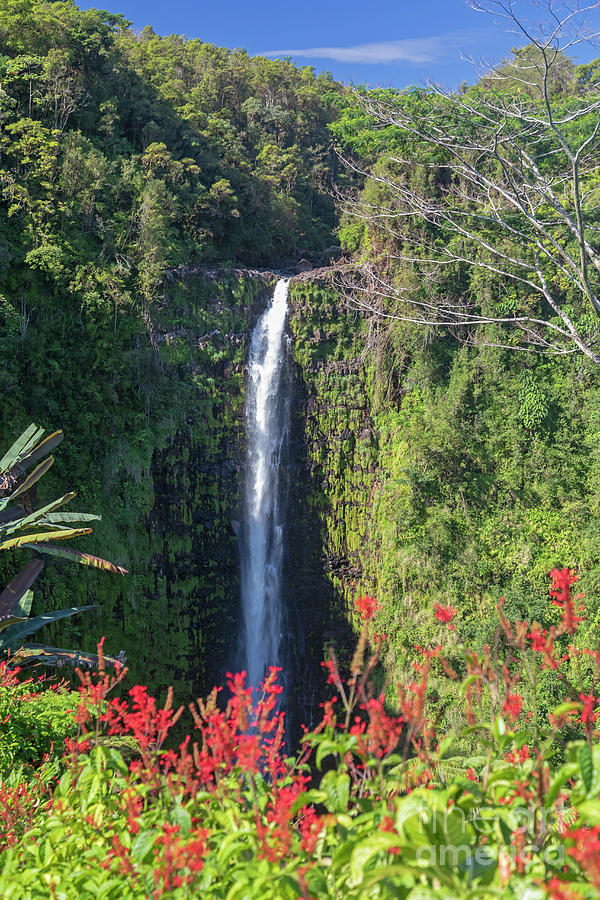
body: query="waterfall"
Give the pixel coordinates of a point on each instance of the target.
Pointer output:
(262, 535)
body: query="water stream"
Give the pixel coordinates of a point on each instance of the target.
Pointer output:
(262, 534)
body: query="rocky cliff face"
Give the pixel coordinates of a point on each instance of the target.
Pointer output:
(163, 462)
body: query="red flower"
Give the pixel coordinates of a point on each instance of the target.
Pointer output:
(560, 890)
(367, 607)
(310, 828)
(331, 671)
(445, 614)
(512, 706)
(588, 715)
(587, 851)
(560, 589)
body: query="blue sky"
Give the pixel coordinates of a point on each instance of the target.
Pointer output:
(385, 42)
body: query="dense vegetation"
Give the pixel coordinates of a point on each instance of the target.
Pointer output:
(434, 468)
(486, 475)
(123, 158)
(123, 155)
(374, 805)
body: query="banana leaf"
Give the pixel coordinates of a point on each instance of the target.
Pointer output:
(85, 559)
(11, 596)
(54, 656)
(13, 636)
(35, 476)
(25, 604)
(56, 518)
(8, 516)
(43, 511)
(25, 540)
(48, 444)
(21, 612)
(10, 620)
(25, 442)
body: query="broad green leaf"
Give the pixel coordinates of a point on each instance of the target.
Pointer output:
(11, 620)
(12, 455)
(367, 849)
(35, 476)
(589, 812)
(142, 845)
(29, 540)
(336, 786)
(181, 817)
(25, 603)
(48, 444)
(55, 518)
(39, 514)
(85, 559)
(586, 765)
(11, 596)
(308, 798)
(12, 637)
(499, 728)
(568, 770)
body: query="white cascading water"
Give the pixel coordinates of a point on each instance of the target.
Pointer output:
(263, 525)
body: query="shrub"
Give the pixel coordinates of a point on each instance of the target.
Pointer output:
(375, 804)
(35, 720)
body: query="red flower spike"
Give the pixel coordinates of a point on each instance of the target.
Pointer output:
(560, 590)
(512, 706)
(445, 614)
(366, 607)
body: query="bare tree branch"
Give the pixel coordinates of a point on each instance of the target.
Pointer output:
(512, 191)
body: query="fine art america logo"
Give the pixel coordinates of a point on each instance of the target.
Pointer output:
(453, 837)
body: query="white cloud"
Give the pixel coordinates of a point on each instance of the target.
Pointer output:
(410, 50)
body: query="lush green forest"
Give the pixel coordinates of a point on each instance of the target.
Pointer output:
(126, 161)
(443, 438)
(464, 470)
(443, 469)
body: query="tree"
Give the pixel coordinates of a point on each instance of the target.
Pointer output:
(499, 180)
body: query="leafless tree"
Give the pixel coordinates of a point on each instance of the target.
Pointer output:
(511, 190)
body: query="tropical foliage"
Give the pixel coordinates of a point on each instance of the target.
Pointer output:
(37, 530)
(374, 804)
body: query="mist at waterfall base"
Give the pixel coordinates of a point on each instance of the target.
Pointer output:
(263, 532)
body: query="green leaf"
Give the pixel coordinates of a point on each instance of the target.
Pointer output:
(567, 707)
(31, 540)
(25, 603)
(142, 845)
(48, 444)
(37, 473)
(499, 728)
(40, 514)
(336, 786)
(10, 620)
(15, 590)
(85, 559)
(57, 518)
(22, 443)
(308, 798)
(586, 765)
(12, 636)
(366, 850)
(568, 770)
(181, 817)
(325, 748)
